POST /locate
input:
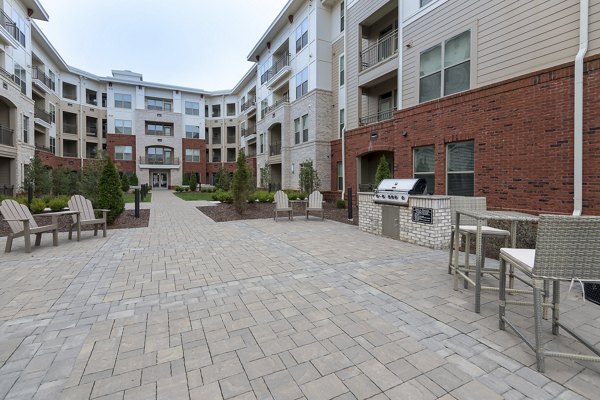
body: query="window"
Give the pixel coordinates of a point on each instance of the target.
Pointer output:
(261, 141)
(216, 110)
(21, 78)
(123, 126)
(52, 112)
(263, 107)
(154, 129)
(122, 100)
(159, 104)
(342, 16)
(20, 29)
(123, 153)
(305, 128)
(297, 131)
(230, 109)
(25, 129)
(302, 83)
(340, 176)
(192, 108)
(52, 145)
(192, 155)
(424, 165)
(342, 71)
(460, 167)
(302, 35)
(425, 2)
(342, 121)
(52, 79)
(455, 75)
(263, 71)
(216, 135)
(192, 131)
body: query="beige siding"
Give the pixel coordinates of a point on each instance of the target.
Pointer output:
(509, 38)
(356, 14)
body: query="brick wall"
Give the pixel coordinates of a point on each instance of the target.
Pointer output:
(113, 140)
(199, 167)
(523, 134)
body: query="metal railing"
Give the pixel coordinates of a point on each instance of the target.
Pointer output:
(230, 138)
(72, 154)
(70, 127)
(7, 74)
(248, 132)
(379, 51)
(380, 116)
(41, 147)
(6, 190)
(159, 160)
(6, 136)
(216, 139)
(40, 75)
(277, 66)
(249, 103)
(8, 23)
(275, 149)
(251, 153)
(42, 114)
(92, 131)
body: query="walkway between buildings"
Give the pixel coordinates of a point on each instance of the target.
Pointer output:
(192, 309)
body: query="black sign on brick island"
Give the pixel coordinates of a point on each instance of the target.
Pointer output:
(422, 215)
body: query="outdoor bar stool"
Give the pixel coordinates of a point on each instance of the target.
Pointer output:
(567, 249)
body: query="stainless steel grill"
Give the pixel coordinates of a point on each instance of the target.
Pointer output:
(397, 191)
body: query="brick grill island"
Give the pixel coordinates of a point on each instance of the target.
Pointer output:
(380, 219)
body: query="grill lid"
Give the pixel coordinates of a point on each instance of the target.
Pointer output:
(410, 186)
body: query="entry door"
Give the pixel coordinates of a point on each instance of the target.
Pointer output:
(163, 180)
(155, 179)
(385, 106)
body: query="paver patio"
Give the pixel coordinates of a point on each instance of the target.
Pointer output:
(191, 309)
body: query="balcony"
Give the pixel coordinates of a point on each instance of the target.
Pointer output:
(42, 117)
(275, 149)
(378, 117)
(7, 136)
(71, 154)
(249, 106)
(164, 162)
(70, 127)
(9, 33)
(91, 131)
(39, 76)
(39, 147)
(381, 50)
(279, 72)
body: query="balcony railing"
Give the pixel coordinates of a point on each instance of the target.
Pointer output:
(8, 23)
(251, 153)
(42, 114)
(380, 116)
(41, 147)
(249, 103)
(72, 154)
(277, 66)
(159, 160)
(275, 149)
(379, 51)
(92, 131)
(216, 139)
(7, 74)
(231, 139)
(40, 75)
(70, 127)
(248, 132)
(6, 136)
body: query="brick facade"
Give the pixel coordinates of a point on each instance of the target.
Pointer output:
(523, 134)
(199, 167)
(113, 140)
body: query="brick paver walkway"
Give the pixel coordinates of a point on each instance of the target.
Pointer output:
(192, 309)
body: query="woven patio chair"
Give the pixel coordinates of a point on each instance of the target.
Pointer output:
(315, 204)
(468, 226)
(567, 249)
(282, 204)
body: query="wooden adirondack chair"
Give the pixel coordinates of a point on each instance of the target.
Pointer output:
(315, 204)
(87, 215)
(282, 204)
(21, 223)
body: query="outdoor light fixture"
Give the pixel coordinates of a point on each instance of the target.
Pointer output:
(292, 168)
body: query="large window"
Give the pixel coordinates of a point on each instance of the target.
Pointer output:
(192, 108)
(305, 128)
(424, 165)
(342, 70)
(52, 112)
(25, 129)
(342, 121)
(155, 129)
(21, 77)
(446, 68)
(302, 83)
(192, 132)
(123, 126)
(122, 100)
(302, 35)
(340, 176)
(123, 153)
(460, 168)
(192, 155)
(20, 28)
(159, 104)
(297, 131)
(261, 142)
(52, 145)
(342, 16)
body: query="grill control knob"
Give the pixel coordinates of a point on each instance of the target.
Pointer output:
(403, 198)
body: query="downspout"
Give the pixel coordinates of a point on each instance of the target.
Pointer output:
(82, 129)
(578, 109)
(346, 106)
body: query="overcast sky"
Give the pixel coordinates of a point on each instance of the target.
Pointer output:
(196, 43)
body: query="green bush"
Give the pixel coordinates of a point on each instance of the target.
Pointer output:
(39, 177)
(241, 185)
(37, 205)
(340, 203)
(179, 189)
(58, 203)
(295, 194)
(110, 195)
(21, 199)
(64, 181)
(125, 183)
(262, 196)
(193, 182)
(223, 179)
(309, 178)
(133, 180)
(208, 189)
(223, 196)
(89, 178)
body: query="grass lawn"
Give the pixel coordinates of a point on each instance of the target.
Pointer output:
(191, 196)
(130, 198)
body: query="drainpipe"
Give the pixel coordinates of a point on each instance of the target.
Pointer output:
(578, 109)
(81, 127)
(346, 106)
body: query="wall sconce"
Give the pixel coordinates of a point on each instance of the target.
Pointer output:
(292, 168)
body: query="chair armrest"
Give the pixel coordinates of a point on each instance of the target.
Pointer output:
(101, 209)
(17, 219)
(58, 213)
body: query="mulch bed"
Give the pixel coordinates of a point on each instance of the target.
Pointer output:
(224, 212)
(126, 220)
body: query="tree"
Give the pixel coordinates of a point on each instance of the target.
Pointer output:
(265, 176)
(241, 185)
(133, 180)
(309, 178)
(223, 179)
(89, 179)
(110, 195)
(383, 171)
(193, 182)
(124, 183)
(38, 176)
(64, 182)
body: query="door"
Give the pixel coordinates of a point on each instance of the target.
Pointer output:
(163, 180)
(385, 106)
(390, 221)
(155, 179)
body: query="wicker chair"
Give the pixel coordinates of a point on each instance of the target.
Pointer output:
(282, 204)
(567, 248)
(468, 226)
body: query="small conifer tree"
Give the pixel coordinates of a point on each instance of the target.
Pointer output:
(241, 184)
(193, 182)
(110, 194)
(124, 183)
(309, 178)
(383, 171)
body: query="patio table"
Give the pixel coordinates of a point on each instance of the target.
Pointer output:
(480, 216)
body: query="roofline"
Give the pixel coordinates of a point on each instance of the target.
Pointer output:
(248, 77)
(49, 45)
(39, 12)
